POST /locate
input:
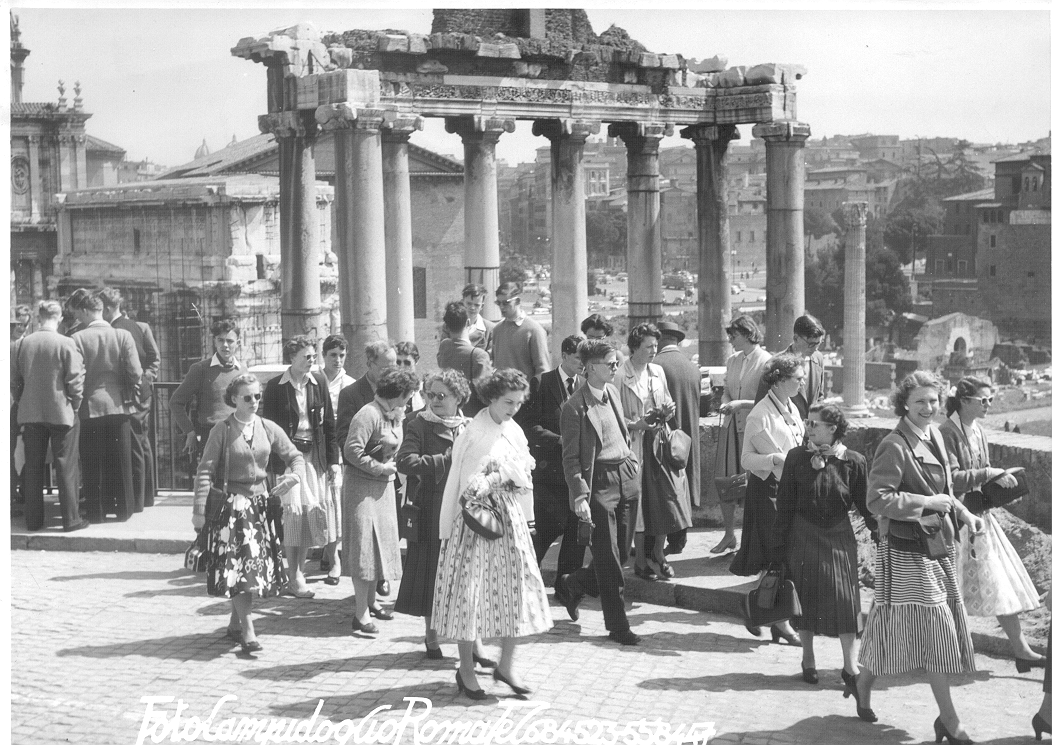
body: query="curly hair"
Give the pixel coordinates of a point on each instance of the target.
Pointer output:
(571, 343)
(831, 414)
(333, 341)
(641, 332)
(235, 385)
(395, 382)
(780, 367)
(913, 381)
(295, 345)
(408, 349)
(224, 326)
(967, 387)
(374, 350)
(747, 328)
(455, 317)
(596, 321)
(454, 380)
(495, 385)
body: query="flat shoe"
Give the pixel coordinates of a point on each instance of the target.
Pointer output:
(382, 614)
(80, 525)
(725, 545)
(647, 574)
(252, 646)
(366, 628)
(333, 581)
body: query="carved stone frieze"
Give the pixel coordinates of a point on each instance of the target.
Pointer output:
(345, 116)
(571, 128)
(784, 130)
(288, 124)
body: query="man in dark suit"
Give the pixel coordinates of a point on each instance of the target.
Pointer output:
(111, 380)
(480, 330)
(47, 383)
(540, 421)
(150, 361)
(808, 334)
(603, 479)
(684, 385)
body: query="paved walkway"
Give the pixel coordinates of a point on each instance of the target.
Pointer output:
(92, 633)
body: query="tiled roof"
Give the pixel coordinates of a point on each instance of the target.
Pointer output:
(33, 109)
(222, 160)
(972, 196)
(94, 143)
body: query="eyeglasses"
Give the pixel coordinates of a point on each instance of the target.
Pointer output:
(436, 396)
(811, 423)
(405, 363)
(251, 397)
(984, 401)
(613, 365)
(509, 301)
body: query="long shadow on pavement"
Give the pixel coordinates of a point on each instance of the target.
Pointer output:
(356, 705)
(201, 647)
(175, 574)
(406, 661)
(821, 731)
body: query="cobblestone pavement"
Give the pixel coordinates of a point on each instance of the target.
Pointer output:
(92, 633)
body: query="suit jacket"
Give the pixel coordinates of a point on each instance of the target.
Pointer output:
(581, 441)
(280, 406)
(352, 399)
(766, 435)
(905, 474)
(541, 424)
(149, 356)
(47, 378)
(684, 384)
(111, 370)
(815, 391)
(485, 342)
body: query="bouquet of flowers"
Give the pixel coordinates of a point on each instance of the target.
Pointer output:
(504, 475)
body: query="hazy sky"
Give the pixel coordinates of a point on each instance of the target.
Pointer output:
(159, 80)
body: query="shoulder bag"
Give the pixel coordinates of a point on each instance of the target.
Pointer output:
(774, 599)
(672, 447)
(482, 517)
(923, 537)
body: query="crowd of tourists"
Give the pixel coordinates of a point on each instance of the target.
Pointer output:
(485, 459)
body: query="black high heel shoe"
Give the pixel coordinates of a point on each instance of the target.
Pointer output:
(941, 732)
(433, 653)
(1023, 666)
(1040, 725)
(810, 674)
(475, 694)
(851, 689)
(482, 661)
(519, 690)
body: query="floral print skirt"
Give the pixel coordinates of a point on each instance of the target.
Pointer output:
(244, 552)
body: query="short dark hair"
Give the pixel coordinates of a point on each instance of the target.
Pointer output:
(473, 290)
(831, 414)
(235, 385)
(511, 289)
(591, 350)
(408, 349)
(85, 299)
(641, 332)
(374, 350)
(746, 326)
(49, 310)
(333, 341)
(111, 297)
(396, 382)
(808, 327)
(780, 367)
(499, 382)
(293, 346)
(571, 343)
(596, 321)
(224, 326)
(456, 316)
(452, 379)
(967, 387)
(913, 381)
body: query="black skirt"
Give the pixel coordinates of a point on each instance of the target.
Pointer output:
(417, 591)
(758, 537)
(823, 564)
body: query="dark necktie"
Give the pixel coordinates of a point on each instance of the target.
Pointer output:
(569, 386)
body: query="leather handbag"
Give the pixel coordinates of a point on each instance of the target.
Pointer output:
(773, 599)
(194, 558)
(672, 447)
(217, 497)
(411, 522)
(923, 537)
(482, 517)
(993, 495)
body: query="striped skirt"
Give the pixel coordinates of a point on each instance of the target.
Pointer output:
(918, 620)
(823, 563)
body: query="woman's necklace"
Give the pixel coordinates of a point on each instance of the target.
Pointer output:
(248, 428)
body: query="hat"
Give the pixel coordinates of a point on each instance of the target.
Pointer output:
(670, 328)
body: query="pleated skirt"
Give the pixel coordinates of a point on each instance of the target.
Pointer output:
(758, 516)
(918, 621)
(318, 525)
(416, 594)
(823, 563)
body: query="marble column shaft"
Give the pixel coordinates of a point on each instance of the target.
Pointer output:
(855, 309)
(569, 243)
(785, 227)
(398, 231)
(714, 264)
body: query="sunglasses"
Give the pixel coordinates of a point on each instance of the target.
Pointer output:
(612, 365)
(435, 396)
(405, 363)
(249, 398)
(811, 423)
(984, 401)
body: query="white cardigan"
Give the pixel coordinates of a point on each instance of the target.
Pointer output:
(766, 436)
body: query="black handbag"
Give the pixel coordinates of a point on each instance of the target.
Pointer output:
(993, 495)
(217, 497)
(923, 537)
(672, 448)
(411, 522)
(774, 599)
(481, 516)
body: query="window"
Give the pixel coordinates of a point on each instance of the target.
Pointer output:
(752, 236)
(1026, 184)
(1000, 216)
(1030, 275)
(261, 267)
(419, 292)
(986, 216)
(739, 237)
(137, 239)
(940, 266)
(993, 241)
(962, 268)
(993, 270)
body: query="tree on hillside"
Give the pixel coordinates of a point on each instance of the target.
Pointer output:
(607, 232)
(887, 289)
(908, 229)
(817, 224)
(513, 269)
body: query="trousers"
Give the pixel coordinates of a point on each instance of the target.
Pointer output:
(36, 436)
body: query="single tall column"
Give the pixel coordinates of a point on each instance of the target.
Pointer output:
(360, 243)
(398, 228)
(301, 310)
(785, 227)
(645, 296)
(36, 192)
(37, 280)
(714, 279)
(855, 311)
(569, 244)
(481, 236)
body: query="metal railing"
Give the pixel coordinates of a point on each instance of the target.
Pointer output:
(173, 470)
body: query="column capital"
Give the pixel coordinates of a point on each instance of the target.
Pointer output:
(400, 128)
(787, 131)
(855, 214)
(288, 124)
(573, 128)
(336, 116)
(641, 133)
(698, 133)
(478, 126)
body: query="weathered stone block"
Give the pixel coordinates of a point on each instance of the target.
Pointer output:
(419, 44)
(342, 57)
(716, 63)
(670, 61)
(649, 59)
(774, 73)
(432, 67)
(732, 77)
(392, 43)
(526, 70)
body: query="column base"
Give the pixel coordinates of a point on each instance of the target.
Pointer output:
(856, 412)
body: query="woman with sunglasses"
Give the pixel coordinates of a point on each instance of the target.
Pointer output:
(245, 557)
(821, 481)
(994, 581)
(299, 404)
(424, 459)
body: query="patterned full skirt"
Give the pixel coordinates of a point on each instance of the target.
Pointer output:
(244, 552)
(994, 581)
(490, 588)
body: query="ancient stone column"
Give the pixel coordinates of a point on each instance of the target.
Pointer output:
(785, 227)
(360, 241)
(714, 265)
(855, 310)
(481, 237)
(301, 257)
(36, 189)
(569, 245)
(645, 296)
(398, 227)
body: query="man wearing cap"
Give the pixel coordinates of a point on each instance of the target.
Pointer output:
(685, 385)
(519, 342)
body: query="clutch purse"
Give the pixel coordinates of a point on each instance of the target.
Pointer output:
(481, 516)
(584, 533)
(994, 495)
(773, 599)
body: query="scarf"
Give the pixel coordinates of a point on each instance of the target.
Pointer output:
(821, 453)
(454, 423)
(393, 414)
